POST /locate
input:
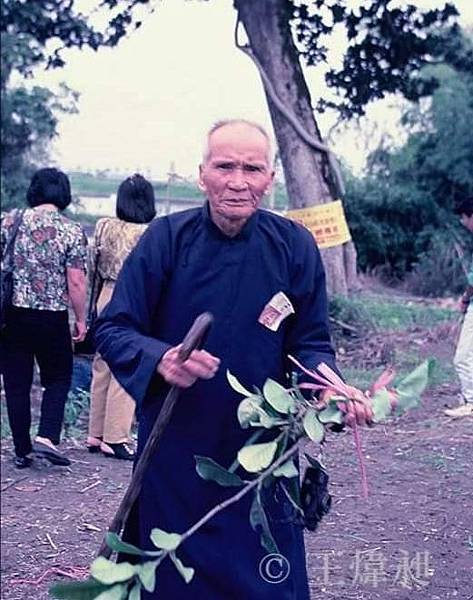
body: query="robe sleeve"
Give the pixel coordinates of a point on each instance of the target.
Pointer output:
(124, 328)
(308, 337)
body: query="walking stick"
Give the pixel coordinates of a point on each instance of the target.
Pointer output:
(193, 340)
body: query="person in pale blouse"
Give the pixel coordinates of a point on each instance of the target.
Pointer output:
(111, 408)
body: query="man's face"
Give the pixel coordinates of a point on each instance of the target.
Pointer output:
(236, 172)
(467, 221)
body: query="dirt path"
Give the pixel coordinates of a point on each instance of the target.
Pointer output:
(412, 538)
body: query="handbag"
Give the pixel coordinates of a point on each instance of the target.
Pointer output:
(87, 346)
(6, 275)
(315, 497)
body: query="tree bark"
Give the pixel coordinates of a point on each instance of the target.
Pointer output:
(307, 172)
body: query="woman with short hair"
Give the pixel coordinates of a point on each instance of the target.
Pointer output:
(111, 408)
(50, 254)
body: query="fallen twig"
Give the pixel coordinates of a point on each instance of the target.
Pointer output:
(89, 487)
(8, 485)
(52, 544)
(73, 573)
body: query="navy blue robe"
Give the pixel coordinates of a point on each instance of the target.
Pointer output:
(182, 266)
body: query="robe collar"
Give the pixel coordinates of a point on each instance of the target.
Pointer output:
(244, 234)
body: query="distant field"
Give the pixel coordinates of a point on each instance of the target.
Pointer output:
(89, 184)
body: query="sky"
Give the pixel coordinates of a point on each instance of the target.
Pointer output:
(146, 104)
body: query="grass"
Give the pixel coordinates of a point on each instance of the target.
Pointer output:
(369, 312)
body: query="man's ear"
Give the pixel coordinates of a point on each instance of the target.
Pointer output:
(269, 187)
(201, 183)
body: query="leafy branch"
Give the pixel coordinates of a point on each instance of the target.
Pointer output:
(287, 418)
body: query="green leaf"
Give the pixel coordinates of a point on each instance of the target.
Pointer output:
(411, 387)
(278, 397)
(115, 543)
(186, 572)
(163, 539)
(209, 470)
(259, 522)
(78, 590)
(249, 410)
(313, 427)
(116, 592)
(257, 457)
(381, 405)
(331, 414)
(236, 385)
(107, 571)
(147, 574)
(288, 469)
(135, 592)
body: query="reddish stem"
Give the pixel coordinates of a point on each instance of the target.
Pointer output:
(361, 461)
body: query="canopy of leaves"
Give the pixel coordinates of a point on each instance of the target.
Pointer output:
(37, 32)
(401, 210)
(387, 47)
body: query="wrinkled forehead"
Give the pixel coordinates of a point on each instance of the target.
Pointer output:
(238, 142)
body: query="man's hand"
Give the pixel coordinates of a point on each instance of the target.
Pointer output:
(199, 365)
(357, 411)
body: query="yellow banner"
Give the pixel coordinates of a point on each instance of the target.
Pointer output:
(326, 222)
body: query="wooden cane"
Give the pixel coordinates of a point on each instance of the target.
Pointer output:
(192, 341)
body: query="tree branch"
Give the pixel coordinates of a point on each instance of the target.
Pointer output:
(219, 507)
(312, 141)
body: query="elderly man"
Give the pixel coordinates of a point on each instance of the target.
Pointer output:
(261, 277)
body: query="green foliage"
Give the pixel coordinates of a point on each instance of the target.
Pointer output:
(257, 457)
(288, 469)
(410, 387)
(259, 523)
(313, 427)
(209, 470)
(187, 573)
(367, 312)
(400, 212)
(381, 405)
(78, 590)
(163, 539)
(438, 270)
(114, 542)
(108, 572)
(76, 404)
(387, 46)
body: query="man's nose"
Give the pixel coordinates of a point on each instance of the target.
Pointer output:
(237, 180)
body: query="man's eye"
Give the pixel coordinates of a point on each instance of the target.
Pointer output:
(253, 169)
(225, 167)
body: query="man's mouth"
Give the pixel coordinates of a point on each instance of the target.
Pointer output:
(237, 200)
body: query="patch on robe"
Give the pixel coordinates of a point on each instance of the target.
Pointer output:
(274, 313)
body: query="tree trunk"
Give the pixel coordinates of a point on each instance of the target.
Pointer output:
(307, 173)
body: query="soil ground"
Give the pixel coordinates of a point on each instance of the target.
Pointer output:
(411, 539)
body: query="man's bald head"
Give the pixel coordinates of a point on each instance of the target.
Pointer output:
(239, 124)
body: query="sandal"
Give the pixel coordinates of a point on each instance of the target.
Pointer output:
(93, 444)
(120, 451)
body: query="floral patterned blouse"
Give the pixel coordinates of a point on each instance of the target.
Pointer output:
(115, 239)
(47, 243)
